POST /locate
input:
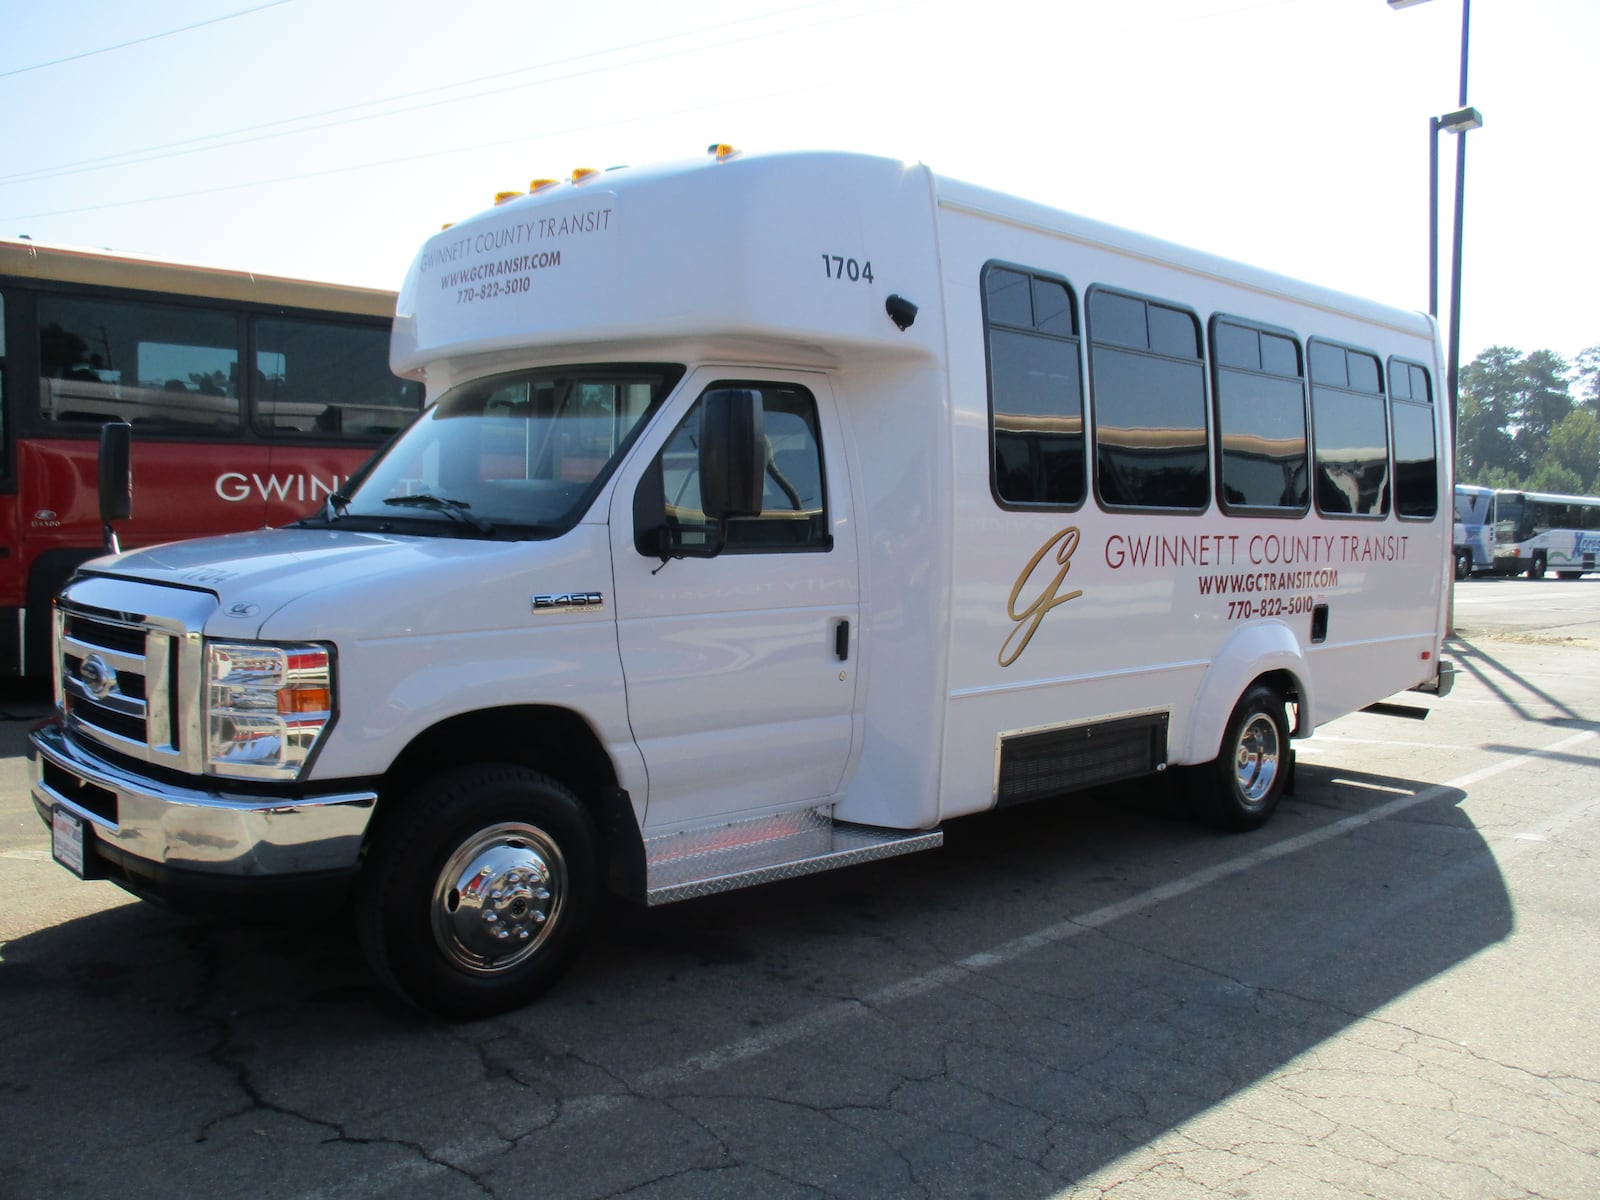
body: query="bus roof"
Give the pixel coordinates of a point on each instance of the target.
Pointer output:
(44, 262)
(729, 250)
(1555, 497)
(788, 249)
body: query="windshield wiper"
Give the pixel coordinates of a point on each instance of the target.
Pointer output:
(456, 510)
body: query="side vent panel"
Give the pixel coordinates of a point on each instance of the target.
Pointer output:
(1034, 765)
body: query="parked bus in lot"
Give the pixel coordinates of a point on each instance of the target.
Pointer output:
(768, 512)
(1474, 532)
(88, 337)
(1537, 532)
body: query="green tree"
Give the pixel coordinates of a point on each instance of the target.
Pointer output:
(1489, 390)
(1553, 477)
(1543, 401)
(1588, 369)
(1575, 447)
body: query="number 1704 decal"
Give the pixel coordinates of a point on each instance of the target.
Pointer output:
(851, 270)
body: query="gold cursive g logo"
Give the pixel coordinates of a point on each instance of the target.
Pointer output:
(1064, 543)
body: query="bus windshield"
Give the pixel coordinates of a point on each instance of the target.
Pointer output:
(513, 456)
(1508, 518)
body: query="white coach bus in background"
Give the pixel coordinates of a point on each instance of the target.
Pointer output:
(768, 512)
(1536, 532)
(1474, 530)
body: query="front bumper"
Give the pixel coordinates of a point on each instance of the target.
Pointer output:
(148, 830)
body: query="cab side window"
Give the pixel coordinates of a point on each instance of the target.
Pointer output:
(794, 509)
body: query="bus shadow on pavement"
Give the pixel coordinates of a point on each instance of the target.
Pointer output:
(1511, 687)
(872, 1026)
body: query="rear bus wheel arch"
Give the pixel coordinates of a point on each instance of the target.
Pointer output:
(1239, 790)
(1261, 652)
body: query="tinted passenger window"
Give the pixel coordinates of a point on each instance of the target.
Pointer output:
(1416, 460)
(1148, 388)
(1261, 418)
(327, 378)
(1350, 432)
(3, 405)
(1035, 388)
(155, 366)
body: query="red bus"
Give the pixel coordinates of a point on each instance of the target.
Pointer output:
(251, 399)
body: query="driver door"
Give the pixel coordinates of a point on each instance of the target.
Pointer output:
(740, 669)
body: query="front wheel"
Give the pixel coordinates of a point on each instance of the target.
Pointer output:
(1240, 789)
(476, 895)
(1536, 570)
(1463, 563)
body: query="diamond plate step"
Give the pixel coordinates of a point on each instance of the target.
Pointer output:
(681, 866)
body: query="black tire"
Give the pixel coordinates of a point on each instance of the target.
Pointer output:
(1463, 564)
(1240, 789)
(461, 953)
(1536, 570)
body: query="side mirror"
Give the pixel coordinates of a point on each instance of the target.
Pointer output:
(732, 454)
(730, 464)
(116, 478)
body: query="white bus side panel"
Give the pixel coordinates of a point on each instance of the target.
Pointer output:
(898, 424)
(1163, 612)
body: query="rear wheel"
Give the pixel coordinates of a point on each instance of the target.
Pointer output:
(1240, 789)
(476, 895)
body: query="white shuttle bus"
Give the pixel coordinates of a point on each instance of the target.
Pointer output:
(767, 512)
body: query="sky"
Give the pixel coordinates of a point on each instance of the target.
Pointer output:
(327, 139)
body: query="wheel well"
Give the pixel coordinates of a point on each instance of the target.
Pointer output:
(1287, 686)
(554, 741)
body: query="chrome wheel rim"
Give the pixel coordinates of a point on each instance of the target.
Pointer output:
(498, 898)
(1255, 759)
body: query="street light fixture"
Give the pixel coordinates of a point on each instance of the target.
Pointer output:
(1462, 119)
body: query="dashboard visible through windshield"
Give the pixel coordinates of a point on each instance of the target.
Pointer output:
(517, 455)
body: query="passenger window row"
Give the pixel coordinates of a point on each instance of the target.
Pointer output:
(1276, 447)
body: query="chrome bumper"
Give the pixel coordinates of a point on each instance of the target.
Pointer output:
(192, 830)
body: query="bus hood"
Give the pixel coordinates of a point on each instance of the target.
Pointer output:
(327, 584)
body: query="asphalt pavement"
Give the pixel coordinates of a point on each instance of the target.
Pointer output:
(1390, 991)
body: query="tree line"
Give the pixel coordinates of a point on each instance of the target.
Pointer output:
(1530, 421)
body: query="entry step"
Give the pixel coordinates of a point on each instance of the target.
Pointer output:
(681, 866)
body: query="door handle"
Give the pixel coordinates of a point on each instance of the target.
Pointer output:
(841, 640)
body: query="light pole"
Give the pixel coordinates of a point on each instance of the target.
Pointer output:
(1455, 122)
(1458, 122)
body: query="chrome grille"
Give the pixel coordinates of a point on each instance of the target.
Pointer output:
(129, 665)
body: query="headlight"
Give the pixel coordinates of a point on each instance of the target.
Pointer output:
(265, 707)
